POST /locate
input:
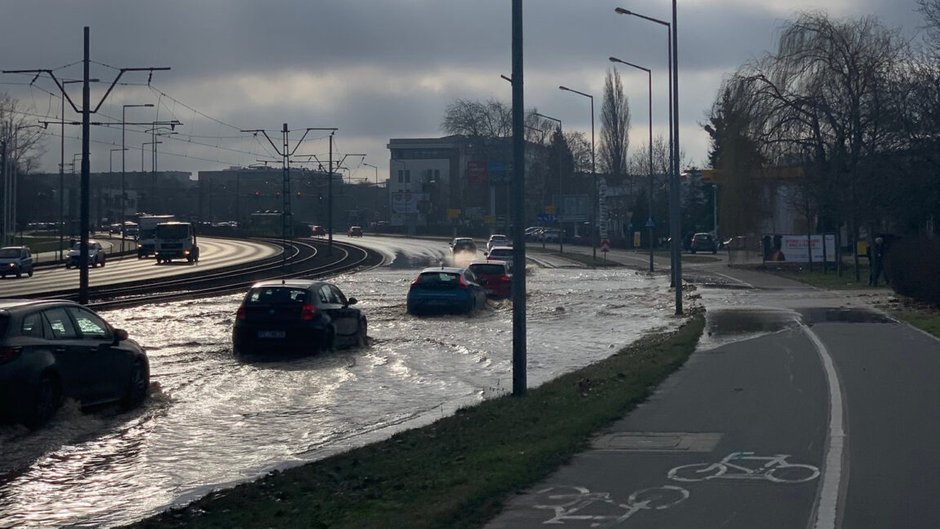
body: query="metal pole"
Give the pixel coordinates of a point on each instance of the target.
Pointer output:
(675, 221)
(518, 187)
(329, 202)
(62, 178)
(649, 193)
(123, 172)
(153, 168)
(595, 210)
(285, 199)
(86, 184)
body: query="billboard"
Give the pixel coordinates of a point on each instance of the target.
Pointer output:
(796, 248)
(405, 202)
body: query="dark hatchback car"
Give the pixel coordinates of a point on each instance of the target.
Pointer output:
(463, 244)
(703, 242)
(296, 316)
(445, 289)
(53, 349)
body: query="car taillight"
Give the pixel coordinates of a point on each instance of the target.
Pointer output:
(462, 283)
(308, 312)
(505, 278)
(8, 354)
(240, 315)
(416, 281)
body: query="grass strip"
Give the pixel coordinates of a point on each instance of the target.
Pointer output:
(831, 280)
(924, 317)
(456, 472)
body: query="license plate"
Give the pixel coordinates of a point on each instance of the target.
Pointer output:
(271, 334)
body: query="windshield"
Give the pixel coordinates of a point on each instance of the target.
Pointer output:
(276, 296)
(7, 253)
(173, 231)
(488, 269)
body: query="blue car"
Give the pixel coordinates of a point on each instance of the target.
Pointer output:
(445, 289)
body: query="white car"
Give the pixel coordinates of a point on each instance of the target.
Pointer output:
(96, 254)
(501, 253)
(497, 240)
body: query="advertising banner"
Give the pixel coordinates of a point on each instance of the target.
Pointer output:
(795, 248)
(405, 202)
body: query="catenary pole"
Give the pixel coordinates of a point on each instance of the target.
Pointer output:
(518, 198)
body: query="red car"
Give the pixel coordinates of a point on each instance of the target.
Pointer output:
(493, 277)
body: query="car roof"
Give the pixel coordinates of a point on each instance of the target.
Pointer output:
(14, 248)
(463, 239)
(11, 304)
(289, 283)
(448, 269)
(489, 263)
(498, 236)
(493, 249)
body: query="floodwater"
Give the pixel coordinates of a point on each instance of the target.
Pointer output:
(212, 421)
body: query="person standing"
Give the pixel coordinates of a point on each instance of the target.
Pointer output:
(877, 262)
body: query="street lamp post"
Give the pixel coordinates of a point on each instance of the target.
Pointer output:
(376, 198)
(150, 200)
(123, 169)
(561, 244)
(593, 173)
(649, 193)
(675, 226)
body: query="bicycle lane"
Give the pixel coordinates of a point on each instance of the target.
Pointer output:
(735, 439)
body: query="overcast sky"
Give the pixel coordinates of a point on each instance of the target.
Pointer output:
(375, 69)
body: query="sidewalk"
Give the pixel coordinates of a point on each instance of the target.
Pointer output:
(735, 438)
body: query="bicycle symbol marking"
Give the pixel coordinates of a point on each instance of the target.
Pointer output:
(747, 466)
(598, 508)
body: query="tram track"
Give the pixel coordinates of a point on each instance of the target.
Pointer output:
(306, 258)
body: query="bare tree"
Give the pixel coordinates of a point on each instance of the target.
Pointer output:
(21, 137)
(615, 126)
(580, 147)
(478, 119)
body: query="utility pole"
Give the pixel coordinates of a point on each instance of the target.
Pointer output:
(285, 152)
(86, 112)
(518, 199)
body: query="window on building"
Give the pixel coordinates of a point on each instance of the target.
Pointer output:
(407, 176)
(401, 176)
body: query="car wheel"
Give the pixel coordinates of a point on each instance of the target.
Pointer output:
(30, 273)
(362, 339)
(329, 341)
(47, 399)
(19, 274)
(103, 261)
(136, 386)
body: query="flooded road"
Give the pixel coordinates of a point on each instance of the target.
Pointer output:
(212, 420)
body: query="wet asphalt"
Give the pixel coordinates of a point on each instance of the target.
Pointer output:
(742, 435)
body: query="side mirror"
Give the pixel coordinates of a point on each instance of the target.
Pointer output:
(351, 301)
(119, 336)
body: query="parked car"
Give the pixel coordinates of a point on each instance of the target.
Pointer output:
(703, 242)
(53, 349)
(96, 254)
(497, 240)
(549, 235)
(445, 289)
(355, 231)
(296, 316)
(16, 261)
(494, 277)
(317, 231)
(501, 253)
(463, 244)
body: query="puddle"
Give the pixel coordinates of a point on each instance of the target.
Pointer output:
(724, 326)
(844, 315)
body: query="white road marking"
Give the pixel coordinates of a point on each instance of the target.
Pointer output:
(827, 503)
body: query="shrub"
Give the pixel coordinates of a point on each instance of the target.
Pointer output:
(911, 266)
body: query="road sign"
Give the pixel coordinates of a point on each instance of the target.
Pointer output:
(546, 218)
(605, 245)
(650, 223)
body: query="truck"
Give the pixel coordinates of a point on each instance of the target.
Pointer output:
(176, 240)
(146, 233)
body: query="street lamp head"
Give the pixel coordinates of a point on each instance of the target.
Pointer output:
(564, 88)
(623, 11)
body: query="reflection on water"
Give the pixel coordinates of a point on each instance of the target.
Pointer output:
(213, 420)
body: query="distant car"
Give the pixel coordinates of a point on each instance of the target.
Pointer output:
(317, 231)
(501, 253)
(53, 349)
(497, 240)
(16, 261)
(355, 231)
(445, 289)
(703, 242)
(463, 244)
(296, 316)
(550, 235)
(96, 255)
(493, 277)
